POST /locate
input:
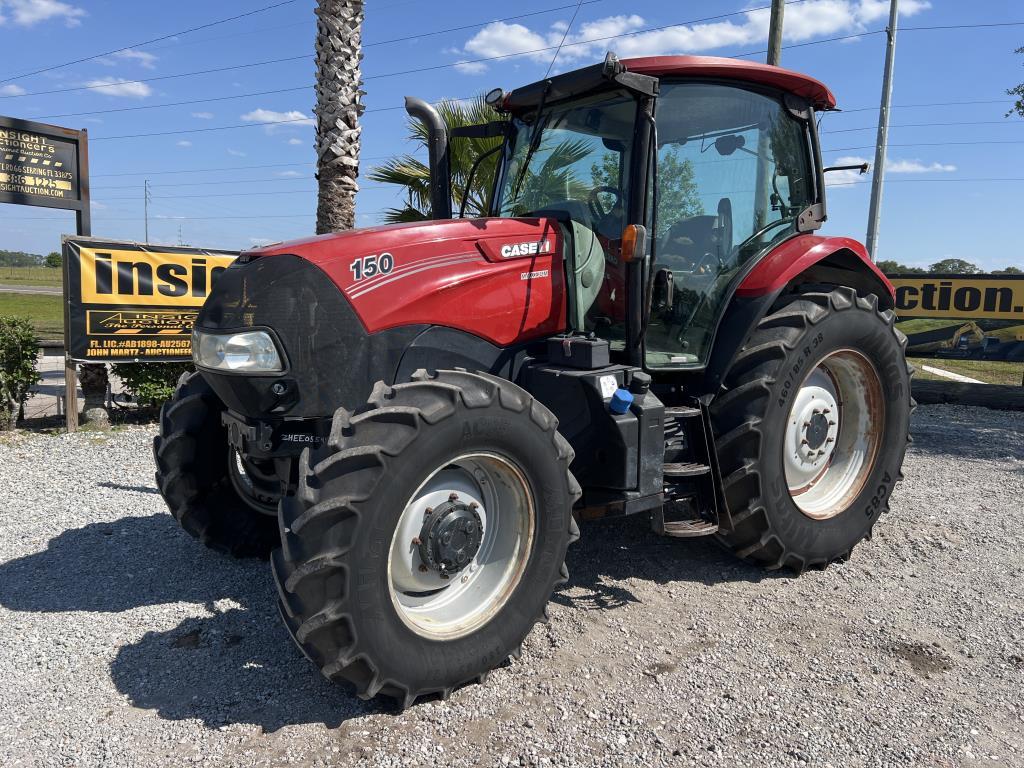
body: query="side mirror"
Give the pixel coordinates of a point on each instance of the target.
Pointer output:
(726, 145)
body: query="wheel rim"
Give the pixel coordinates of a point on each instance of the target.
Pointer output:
(489, 497)
(833, 434)
(251, 482)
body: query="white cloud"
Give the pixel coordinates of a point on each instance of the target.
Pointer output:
(146, 60)
(184, 143)
(112, 86)
(27, 13)
(275, 120)
(203, 115)
(289, 174)
(916, 166)
(805, 21)
(471, 67)
(295, 142)
(236, 152)
(12, 90)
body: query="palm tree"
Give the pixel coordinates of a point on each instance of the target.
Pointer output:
(406, 171)
(338, 109)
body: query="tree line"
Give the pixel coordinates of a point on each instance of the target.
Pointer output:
(943, 267)
(23, 259)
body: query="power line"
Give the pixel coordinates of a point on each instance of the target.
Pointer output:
(925, 144)
(254, 124)
(174, 103)
(207, 183)
(147, 42)
(405, 72)
(565, 34)
(504, 56)
(914, 106)
(158, 77)
(927, 125)
(202, 170)
(916, 181)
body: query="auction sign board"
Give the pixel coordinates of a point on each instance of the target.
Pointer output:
(974, 297)
(130, 302)
(45, 165)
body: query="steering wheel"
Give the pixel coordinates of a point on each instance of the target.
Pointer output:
(594, 201)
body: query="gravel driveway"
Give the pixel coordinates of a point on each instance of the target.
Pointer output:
(125, 643)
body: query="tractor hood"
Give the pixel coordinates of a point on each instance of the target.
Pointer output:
(345, 309)
(499, 278)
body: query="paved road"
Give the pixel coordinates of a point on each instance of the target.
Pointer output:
(48, 290)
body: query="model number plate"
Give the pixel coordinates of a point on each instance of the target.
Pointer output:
(369, 266)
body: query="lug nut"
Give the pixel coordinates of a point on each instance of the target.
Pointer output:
(423, 568)
(453, 497)
(416, 541)
(474, 505)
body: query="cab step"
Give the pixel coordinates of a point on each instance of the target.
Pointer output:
(681, 529)
(686, 469)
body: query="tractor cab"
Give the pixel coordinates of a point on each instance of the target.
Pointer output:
(698, 165)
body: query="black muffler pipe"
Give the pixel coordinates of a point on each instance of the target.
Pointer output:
(437, 148)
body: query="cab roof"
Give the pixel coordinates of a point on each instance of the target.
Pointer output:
(735, 69)
(587, 79)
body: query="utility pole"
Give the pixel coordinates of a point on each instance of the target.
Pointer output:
(775, 32)
(881, 142)
(145, 205)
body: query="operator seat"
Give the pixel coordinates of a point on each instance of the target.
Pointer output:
(688, 241)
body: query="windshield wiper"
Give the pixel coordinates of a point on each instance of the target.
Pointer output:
(538, 130)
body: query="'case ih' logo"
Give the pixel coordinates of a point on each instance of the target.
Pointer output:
(525, 249)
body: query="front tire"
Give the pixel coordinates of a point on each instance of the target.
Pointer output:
(427, 536)
(812, 430)
(218, 497)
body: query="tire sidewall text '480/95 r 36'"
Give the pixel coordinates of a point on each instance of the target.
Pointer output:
(822, 379)
(203, 480)
(347, 545)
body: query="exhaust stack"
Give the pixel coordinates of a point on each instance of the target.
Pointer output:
(437, 147)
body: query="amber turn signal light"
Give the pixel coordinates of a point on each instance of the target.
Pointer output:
(634, 242)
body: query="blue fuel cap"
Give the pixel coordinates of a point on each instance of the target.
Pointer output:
(621, 401)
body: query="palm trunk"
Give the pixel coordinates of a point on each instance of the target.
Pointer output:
(338, 108)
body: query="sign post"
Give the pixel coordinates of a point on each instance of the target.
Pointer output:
(48, 166)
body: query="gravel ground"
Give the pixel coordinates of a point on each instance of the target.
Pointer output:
(124, 643)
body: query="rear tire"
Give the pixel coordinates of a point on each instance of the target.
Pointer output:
(812, 430)
(347, 594)
(226, 509)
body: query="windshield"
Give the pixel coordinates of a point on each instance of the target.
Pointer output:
(575, 161)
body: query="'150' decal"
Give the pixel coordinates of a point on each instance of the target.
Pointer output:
(368, 266)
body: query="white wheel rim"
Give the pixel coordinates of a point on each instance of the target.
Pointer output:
(833, 434)
(446, 608)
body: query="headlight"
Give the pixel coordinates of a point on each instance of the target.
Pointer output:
(247, 352)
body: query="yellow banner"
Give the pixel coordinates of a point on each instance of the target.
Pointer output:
(147, 277)
(975, 297)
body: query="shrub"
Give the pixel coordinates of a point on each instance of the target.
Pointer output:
(19, 352)
(150, 384)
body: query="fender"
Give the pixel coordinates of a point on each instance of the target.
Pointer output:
(801, 260)
(790, 260)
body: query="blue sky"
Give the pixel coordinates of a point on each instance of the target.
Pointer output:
(941, 203)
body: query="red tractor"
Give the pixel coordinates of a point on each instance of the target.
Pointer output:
(409, 419)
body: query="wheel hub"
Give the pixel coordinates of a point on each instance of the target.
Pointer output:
(833, 434)
(450, 536)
